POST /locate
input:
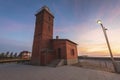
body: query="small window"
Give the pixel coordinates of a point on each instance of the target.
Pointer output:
(72, 52)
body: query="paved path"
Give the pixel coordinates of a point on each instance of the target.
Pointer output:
(27, 72)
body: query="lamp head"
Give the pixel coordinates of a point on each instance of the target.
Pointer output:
(99, 22)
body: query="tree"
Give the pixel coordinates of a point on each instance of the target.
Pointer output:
(2, 55)
(7, 54)
(20, 55)
(11, 55)
(15, 55)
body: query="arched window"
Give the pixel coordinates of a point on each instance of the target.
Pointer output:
(72, 52)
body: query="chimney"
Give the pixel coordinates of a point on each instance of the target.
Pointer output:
(57, 37)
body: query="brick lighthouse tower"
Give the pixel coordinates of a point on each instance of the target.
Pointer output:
(42, 35)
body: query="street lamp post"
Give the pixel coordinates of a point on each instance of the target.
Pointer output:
(108, 44)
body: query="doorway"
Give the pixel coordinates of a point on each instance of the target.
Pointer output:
(59, 53)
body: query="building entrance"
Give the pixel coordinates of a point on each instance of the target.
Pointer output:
(59, 53)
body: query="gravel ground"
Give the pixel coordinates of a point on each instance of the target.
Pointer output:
(14, 71)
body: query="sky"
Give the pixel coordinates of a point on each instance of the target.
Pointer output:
(74, 19)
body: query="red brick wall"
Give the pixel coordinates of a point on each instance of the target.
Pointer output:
(66, 48)
(69, 47)
(47, 58)
(50, 58)
(42, 35)
(60, 44)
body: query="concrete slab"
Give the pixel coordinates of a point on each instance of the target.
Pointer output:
(14, 71)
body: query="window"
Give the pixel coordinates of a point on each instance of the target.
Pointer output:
(72, 52)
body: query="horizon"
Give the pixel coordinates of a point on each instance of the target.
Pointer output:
(75, 20)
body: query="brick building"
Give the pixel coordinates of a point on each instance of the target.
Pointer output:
(25, 55)
(47, 50)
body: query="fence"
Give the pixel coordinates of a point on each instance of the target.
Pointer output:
(97, 64)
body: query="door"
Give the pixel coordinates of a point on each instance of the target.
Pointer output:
(59, 53)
